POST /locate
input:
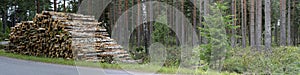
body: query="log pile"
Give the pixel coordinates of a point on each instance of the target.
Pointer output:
(65, 35)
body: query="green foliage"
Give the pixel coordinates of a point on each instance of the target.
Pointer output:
(138, 53)
(167, 70)
(162, 33)
(4, 35)
(173, 57)
(214, 32)
(282, 60)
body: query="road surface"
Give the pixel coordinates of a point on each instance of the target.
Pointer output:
(9, 66)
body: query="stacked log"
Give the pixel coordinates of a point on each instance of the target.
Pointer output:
(65, 35)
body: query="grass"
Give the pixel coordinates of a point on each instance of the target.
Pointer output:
(134, 67)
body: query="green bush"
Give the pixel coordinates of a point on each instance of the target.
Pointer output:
(173, 57)
(282, 60)
(4, 35)
(138, 53)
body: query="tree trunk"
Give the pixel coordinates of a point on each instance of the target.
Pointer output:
(259, 24)
(282, 22)
(244, 22)
(54, 2)
(205, 12)
(268, 36)
(14, 16)
(178, 23)
(138, 22)
(194, 20)
(200, 21)
(65, 10)
(145, 27)
(206, 6)
(151, 17)
(294, 30)
(79, 2)
(126, 25)
(4, 21)
(182, 23)
(276, 32)
(289, 24)
(252, 24)
(233, 11)
(37, 6)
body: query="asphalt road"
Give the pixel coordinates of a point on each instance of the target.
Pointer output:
(9, 66)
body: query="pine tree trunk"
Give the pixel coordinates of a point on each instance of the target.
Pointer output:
(151, 16)
(177, 23)
(233, 11)
(126, 25)
(182, 23)
(294, 30)
(289, 24)
(282, 22)
(4, 20)
(200, 22)
(65, 10)
(268, 36)
(205, 12)
(37, 6)
(259, 24)
(138, 22)
(145, 27)
(252, 24)
(79, 2)
(194, 20)
(54, 2)
(276, 33)
(244, 22)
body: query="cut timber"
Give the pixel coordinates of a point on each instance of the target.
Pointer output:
(65, 35)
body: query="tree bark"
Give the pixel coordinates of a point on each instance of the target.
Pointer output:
(138, 22)
(151, 17)
(268, 35)
(282, 22)
(65, 10)
(206, 5)
(54, 2)
(276, 33)
(4, 20)
(294, 27)
(182, 23)
(200, 22)
(37, 6)
(289, 24)
(79, 2)
(145, 27)
(244, 22)
(259, 24)
(252, 24)
(178, 23)
(205, 12)
(194, 19)
(233, 11)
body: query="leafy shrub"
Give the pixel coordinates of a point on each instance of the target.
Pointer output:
(282, 60)
(173, 57)
(138, 53)
(4, 35)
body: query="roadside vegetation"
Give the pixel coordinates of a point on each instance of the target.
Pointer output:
(247, 37)
(133, 67)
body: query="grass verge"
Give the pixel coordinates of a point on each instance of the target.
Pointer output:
(134, 67)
